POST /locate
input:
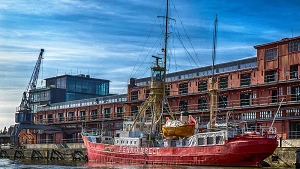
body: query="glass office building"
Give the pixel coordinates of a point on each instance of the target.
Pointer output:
(68, 88)
(79, 86)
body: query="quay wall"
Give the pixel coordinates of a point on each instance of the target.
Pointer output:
(70, 151)
(283, 157)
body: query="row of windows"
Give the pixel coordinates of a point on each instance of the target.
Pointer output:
(202, 86)
(223, 83)
(127, 142)
(82, 114)
(204, 73)
(41, 96)
(272, 54)
(88, 102)
(245, 99)
(245, 80)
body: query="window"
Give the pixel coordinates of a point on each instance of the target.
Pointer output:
(223, 101)
(202, 86)
(223, 82)
(60, 117)
(167, 92)
(219, 140)
(294, 46)
(134, 95)
(94, 114)
(147, 93)
(265, 114)
(210, 140)
(270, 76)
(119, 111)
(249, 116)
(40, 118)
(183, 105)
(294, 72)
(288, 90)
(279, 114)
(280, 91)
(82, 115)
(134, 110)
(201, 141)
(245, 79)
(296, 93)
(183, 88)
(107, 112)
(50, 118)
(245, 99)
(271, 54)
(292, 112)
(202, 103)
(71, 116)
(294, 130)
(254, 95)
(274, 96)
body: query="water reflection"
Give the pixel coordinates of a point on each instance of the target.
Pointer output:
(55, 164)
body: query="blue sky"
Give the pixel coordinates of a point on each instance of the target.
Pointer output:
(115, 39)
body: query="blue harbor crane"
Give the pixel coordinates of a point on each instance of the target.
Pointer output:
(25, 112)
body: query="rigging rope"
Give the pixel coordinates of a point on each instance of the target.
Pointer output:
(178, 36)
(187, 34)
(133, 73)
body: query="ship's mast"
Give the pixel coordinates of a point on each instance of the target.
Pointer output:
(166, 45)
(156, 97)
(212, 91)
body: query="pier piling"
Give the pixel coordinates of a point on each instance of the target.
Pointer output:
(19, 154)
(3, 154)
(36, 155)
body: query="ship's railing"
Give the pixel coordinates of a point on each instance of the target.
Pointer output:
(260, 130)
(93, 132)
(128, 118)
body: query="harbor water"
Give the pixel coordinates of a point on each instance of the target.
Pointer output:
(39, 164)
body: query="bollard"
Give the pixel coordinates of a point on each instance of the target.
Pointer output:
(280, 142)
(298, 158)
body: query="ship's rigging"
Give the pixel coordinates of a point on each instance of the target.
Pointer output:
(170, 25)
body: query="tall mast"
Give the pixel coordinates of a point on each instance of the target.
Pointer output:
(214, 46)
(213, 80)
(166, 44)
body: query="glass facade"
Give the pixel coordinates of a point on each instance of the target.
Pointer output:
(87, 86)
(68, 88)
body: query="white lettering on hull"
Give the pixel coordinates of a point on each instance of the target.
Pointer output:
(138, 150)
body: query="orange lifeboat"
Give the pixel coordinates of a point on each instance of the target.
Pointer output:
(179, 128)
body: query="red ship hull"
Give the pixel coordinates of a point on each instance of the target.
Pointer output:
(239, 151)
